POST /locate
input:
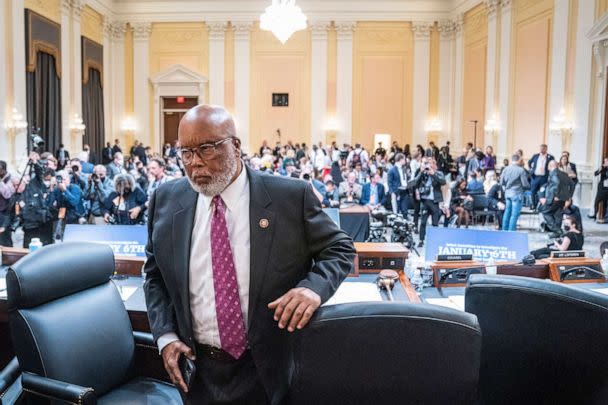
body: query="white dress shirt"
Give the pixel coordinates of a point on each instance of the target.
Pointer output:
(202, 293)
(540, 165)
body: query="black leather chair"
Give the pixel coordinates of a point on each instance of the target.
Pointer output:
(543, 342)
(71, 332)
(10, 384)
(386, 353)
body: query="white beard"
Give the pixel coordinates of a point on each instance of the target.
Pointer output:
(219, 182)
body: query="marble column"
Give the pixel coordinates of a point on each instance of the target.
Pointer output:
(4, 109)
(107, 79)
(446, 83)
(19, 87)
(76, 74)
(216, 61)
(242, 61)
(344, 81)
(490, 107)
(141, 90)
(118, 30)
(66, 72)
(456, 135)
(559, 52)
(422, 61)
(502, 148)
(318, 81)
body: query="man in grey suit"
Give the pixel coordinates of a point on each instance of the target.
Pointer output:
(236, 261)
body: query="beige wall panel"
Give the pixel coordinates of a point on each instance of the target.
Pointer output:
(229, 70)
(531, 84)
(277, 68)
(382, 97)
(601, 8)
(92, 25)
(50, 9)
(474, 100)
(179, 43)
(382, 81)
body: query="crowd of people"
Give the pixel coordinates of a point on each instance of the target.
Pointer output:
(419, 183)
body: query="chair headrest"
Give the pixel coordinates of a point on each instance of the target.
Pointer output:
(56, 271)
(549, 288)
(404, 310)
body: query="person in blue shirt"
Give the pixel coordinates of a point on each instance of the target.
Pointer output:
(475, 184)
(373, 194)
(69, 196)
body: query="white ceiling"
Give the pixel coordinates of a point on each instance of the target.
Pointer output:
(243, 10)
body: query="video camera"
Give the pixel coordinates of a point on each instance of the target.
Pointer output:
(36, 141)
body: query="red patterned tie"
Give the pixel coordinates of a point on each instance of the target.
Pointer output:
(227, 300)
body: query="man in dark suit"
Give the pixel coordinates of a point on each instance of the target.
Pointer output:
(107, 154)
(373, 193)
(539, 171)
(116, 148)
(236, 261)
(558, 190)
(63, 157)
(397, 185)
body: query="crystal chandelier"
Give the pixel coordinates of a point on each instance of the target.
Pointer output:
(283, 18)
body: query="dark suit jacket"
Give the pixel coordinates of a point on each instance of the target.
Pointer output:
(367, 193)
(394, 180)
(301, 247)
(534, 159)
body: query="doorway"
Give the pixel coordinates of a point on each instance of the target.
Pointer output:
(174, 108)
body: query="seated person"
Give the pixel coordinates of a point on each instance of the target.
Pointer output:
(373, 194)
(496, 198)
(572, 239)
(461, 203)
(349, 190)
(125, 205)
(331, 194)
(474, 185)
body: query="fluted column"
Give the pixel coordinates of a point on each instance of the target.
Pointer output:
(242, 61)
(422, 61)
(117, 33)
(318, 80)
(216, 61)
(107, 79)
(76, 76)
(458, 81)
(447, 30)
(491, 78)
(141, 99)
(505, 73)
(4, 109)
(66, 72)
(344, 81)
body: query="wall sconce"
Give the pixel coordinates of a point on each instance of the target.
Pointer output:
(560, 123)
(16, 122)
(331, 125)
(128, 125)
(433, 125)
(492, 125)
(77, 125)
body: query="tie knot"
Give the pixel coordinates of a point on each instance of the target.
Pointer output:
(218, 202)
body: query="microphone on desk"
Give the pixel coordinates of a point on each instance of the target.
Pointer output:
(386, 281)
(527, 260)
(576, 269)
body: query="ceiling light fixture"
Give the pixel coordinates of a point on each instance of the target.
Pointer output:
(283, 18)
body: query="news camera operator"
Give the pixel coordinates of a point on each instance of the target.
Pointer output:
(7, 190)
(427, 184)
(77, 177)
(70, 197)
(126, 204)
(99, 188)
(37, 206)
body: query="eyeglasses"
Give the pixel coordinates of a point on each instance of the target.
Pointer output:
(203, 151)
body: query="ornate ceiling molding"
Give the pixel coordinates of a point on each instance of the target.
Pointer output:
(217, 30)
(345, 29)
(141, 30)
(422, 29)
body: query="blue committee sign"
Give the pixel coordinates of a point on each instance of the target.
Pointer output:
(483, 245)
(125, 240)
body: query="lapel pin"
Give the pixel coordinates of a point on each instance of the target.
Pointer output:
(264, 223)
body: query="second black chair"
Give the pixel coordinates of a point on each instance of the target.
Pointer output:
(386, 353)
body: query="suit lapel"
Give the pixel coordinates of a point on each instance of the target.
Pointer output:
(183, 222)
(261, 227)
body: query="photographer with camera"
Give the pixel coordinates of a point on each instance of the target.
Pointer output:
(77, 177)
(37, 205)
(126, 204)
(70, 197)
(98, 190)
(7, 190)
(427, 184)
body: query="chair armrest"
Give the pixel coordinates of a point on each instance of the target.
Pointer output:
(49, 388)
(9, 375)
(143, 339)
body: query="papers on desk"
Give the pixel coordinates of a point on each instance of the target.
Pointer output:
(125, 291)
(453, 301)
(355, 292)
(601, 290)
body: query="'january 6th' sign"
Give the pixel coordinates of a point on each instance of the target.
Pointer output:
(125, 240)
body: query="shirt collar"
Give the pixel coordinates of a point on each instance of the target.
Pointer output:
(233, 192)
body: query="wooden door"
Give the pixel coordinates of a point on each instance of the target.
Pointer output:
(171, 123)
